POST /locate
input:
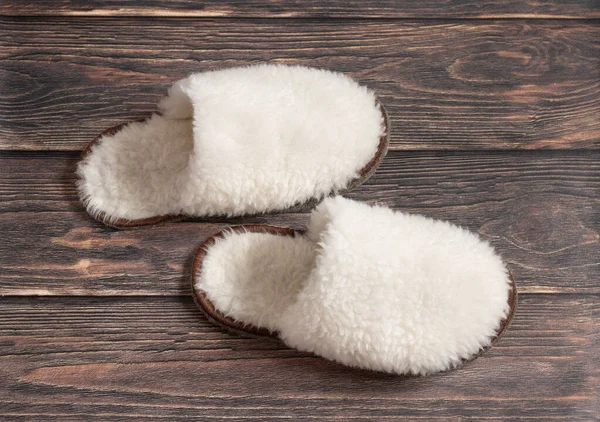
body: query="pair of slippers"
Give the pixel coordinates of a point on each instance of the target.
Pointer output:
(364, 285)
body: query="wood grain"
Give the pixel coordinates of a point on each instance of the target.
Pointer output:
(465, 9)
(538, 208)
(495, 126)
(159, 358)
(446, 85)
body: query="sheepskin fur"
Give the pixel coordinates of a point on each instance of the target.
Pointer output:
(366, 286)
(237, 141)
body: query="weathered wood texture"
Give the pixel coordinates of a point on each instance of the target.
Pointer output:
(478, 105)
(121, 358)
(539, 208)
(447, 85)
(465, 9)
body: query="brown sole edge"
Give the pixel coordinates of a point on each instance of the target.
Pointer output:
(248, 330)
(122, 223)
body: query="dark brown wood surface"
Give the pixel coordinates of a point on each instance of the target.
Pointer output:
(448, 85)
(539, 209)
(152, 357)
(495, 126)
(418, 9)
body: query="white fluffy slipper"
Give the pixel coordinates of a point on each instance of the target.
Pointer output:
(365, 286)
(233, 142)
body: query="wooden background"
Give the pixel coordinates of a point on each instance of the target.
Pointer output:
(495, 112)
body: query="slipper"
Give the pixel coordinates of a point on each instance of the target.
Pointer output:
(365, 286)
(239, 141)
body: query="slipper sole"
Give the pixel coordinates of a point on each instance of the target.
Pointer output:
(122, 223)
(248, 330)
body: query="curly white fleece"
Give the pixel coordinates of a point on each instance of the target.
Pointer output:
(236, 141)
(366, 286)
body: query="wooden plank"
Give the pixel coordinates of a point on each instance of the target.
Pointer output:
(447, 85)
(538, 208)
(124, 358)
(466, 9)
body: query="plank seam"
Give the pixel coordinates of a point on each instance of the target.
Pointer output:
(258, 18)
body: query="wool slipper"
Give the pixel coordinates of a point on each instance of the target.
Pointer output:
(364, 286)
(234, 142)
